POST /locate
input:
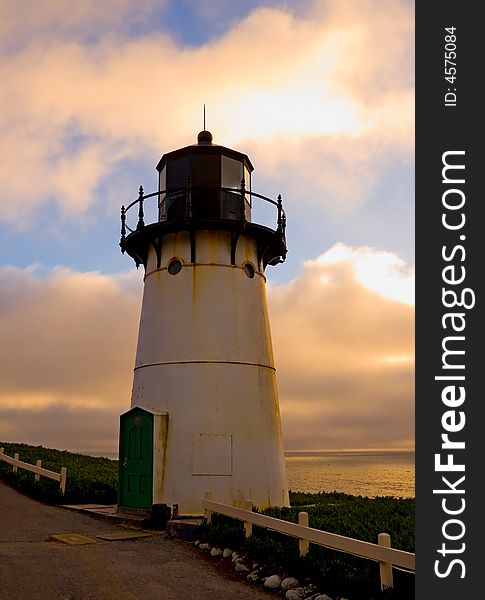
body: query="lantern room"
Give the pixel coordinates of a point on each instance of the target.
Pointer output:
(214, 176)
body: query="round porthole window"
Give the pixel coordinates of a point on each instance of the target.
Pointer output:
(249, 270)
(175, 266)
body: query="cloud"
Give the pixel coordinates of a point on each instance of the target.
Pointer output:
(344, 350)
(64, 427)
(319, 100)
(344, 354)
(67, 337)
(379, 271)
(48, 20)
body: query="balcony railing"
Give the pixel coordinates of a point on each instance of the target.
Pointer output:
(191, 205)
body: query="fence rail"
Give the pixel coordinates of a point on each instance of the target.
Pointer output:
(382, 552)
(37, 469)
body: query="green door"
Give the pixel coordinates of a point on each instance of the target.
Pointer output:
(136, 459)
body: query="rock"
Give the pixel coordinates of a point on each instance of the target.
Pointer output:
(204, 546)
(273, 582)
(216, 551)
(294, 594)
(323, 597)
(253, 577)
(241, 568)
(226, 553)
(289, 583)
(235, 557)
(234, 554)
(197, 542)
(255, 566)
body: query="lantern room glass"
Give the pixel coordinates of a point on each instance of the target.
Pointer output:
(232, 173)
(231, 177)
(205, 174)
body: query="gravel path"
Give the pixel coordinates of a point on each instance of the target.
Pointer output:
(34, 567)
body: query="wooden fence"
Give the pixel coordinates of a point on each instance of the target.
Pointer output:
(37, 469)
(380, 552)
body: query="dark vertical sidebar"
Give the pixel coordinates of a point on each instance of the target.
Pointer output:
(450, 434)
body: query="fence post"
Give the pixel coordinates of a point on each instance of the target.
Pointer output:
(248, 527)
(38, 464)
(304, 545)
(384, 539)
(63, 480)
(207, 512)
(14, 467)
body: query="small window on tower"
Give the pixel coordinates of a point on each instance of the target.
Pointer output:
(175, 266)
(249, 270)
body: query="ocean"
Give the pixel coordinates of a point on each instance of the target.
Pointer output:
(358, 472)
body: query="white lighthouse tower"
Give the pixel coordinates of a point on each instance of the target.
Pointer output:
(204, 409)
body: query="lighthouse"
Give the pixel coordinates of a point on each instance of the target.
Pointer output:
(204, 413)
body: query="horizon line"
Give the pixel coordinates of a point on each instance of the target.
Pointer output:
(303, 450)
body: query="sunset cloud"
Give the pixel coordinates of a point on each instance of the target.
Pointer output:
(67, 337)
(344, 348)
(344, 355)
(381, 272)
(320, 99)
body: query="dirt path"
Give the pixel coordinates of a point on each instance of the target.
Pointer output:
(35, 567)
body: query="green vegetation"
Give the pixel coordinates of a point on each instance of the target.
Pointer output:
(334, 573)
(89, 479)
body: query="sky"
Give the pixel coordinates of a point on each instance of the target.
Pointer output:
(318, 93)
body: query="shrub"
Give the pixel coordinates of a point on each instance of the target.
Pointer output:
(335, 573)
(89, 479)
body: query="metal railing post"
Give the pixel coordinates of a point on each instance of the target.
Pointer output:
(280, 212)
(123, 228)
(141, 214)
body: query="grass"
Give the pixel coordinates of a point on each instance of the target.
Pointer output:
(89, 479)
(334, 573)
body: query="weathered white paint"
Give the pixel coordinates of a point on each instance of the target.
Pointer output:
(160, 438)
(205, 359)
